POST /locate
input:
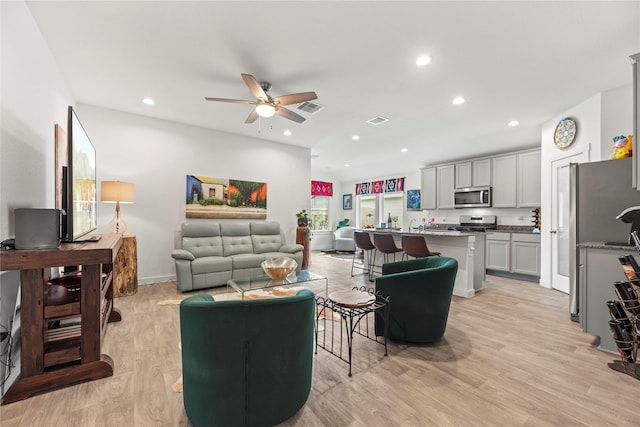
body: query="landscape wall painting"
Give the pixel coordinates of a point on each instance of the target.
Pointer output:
(208, 197)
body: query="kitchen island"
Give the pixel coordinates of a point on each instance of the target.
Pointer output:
(466, 247)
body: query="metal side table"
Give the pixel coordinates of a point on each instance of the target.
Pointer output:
(353, 307)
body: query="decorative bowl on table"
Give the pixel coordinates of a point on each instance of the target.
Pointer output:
(278, 268)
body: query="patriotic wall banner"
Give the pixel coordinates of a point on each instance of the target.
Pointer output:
(319, 188)
(377, 187)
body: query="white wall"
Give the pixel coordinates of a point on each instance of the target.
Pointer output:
(599, 118)
(34, 96)
(616, 116)
(157, 155)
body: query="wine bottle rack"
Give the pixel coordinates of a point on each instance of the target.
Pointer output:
(628, 294)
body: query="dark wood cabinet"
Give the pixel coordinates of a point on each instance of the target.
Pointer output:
(46, 364)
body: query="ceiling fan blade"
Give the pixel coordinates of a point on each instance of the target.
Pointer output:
(288, 114)
(234, 101)
(255, 87)
(252, 117)
(295, 98)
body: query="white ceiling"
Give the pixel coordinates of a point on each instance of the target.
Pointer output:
(527, 61)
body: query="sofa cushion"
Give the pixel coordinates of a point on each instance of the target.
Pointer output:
(265, 237)
(202, 239)
(243, 261)
(210, 264)
(236, 239)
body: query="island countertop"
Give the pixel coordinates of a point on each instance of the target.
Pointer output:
(466, 247)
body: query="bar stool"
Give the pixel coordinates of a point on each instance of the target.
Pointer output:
(363, 242)
(416, 246)
(384, 243)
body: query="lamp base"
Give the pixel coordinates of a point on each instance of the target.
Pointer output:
(117, 225)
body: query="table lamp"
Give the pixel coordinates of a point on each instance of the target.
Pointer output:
(116, 192)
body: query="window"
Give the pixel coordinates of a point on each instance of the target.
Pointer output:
(392, 205)
(320, 212)
(367, 212)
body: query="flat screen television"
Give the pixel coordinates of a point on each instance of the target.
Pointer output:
(79, 183)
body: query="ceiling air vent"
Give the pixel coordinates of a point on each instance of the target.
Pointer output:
(310, 107)
(377, 120)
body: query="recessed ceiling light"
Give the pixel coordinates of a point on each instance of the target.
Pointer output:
(148, 101)
(403, 150)
(423, 60)
(287, 133)
(346, 165)
(458, 100)
(355, 137)
(514, 123)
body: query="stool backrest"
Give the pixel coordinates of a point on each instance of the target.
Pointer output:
(363, 241)
(384, 242)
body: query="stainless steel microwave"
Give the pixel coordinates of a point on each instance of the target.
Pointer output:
(474, 197)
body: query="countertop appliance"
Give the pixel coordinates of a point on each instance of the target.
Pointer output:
(476, 223)
(472, 197)
(599, 191)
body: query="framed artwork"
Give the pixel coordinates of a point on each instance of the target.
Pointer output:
(208, 197)
(413, 200)
(346, 202)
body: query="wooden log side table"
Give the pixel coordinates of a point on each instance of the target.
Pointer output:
(125, 268)
(302, 238)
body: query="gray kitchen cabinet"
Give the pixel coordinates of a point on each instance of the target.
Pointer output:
(529, 164)
(463, 175)
(481, 173)
(445, 182)
(497, 251)
(599, 269)
(429, 188)
(513, 252)
(504, 181)
(635, 59)
(525, 254)
(476, 173)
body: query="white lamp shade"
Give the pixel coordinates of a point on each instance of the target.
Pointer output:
(116, 191)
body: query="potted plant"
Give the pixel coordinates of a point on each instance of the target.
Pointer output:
(303, 218)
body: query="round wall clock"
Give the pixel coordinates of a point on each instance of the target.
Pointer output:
(565, 132)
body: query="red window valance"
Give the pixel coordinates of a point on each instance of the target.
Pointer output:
(319, 188)
(384, 186)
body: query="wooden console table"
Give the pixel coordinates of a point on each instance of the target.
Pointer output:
(48, 365)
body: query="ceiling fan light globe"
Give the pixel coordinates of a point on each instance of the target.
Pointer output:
(265, 110)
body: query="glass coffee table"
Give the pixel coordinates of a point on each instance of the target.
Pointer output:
(265, 287)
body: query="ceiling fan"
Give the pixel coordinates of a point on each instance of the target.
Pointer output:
(266, 106)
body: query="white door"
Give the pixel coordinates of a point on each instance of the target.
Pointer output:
(559, 226)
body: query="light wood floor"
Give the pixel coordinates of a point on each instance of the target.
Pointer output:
(510, 357)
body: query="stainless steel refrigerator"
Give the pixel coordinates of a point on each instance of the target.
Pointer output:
(599, 192)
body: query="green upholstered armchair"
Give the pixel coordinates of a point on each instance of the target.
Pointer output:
(246, 363)
(420, 291)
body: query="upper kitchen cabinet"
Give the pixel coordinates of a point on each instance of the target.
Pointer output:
(463, 175)
(481, 173)
(475, 173)
(529, 164)
(445, 178)
(516, 180)
(429, 188)
(504, 181)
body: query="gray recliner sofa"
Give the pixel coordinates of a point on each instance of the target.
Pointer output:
(209, 254)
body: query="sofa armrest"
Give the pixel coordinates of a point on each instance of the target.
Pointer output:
(291, 248)
(182, 254)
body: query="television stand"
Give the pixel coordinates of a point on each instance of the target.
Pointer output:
(46, 365)
(91, 238)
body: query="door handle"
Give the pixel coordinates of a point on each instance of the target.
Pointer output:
(553, 231)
